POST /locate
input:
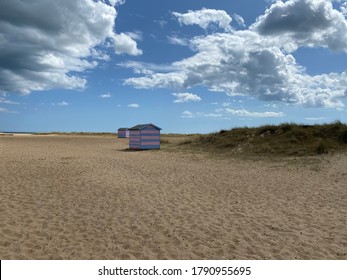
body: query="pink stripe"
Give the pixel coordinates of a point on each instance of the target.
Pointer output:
(150, 137)
(150, 143)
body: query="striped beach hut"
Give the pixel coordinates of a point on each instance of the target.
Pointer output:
(123, 132)
(144, 137)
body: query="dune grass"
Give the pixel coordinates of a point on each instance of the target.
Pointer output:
(287, 139)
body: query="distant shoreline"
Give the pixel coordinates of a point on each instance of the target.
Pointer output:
(13, 132)
(55, 133)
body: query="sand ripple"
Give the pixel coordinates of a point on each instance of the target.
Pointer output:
(70, 197)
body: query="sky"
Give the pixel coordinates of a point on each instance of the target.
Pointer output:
(186, 66)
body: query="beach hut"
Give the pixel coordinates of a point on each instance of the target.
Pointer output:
(144, 137)
(123, 132)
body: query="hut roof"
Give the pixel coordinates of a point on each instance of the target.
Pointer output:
(123, 128)
(143, 126)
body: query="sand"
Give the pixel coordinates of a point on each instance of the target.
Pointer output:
(86, 197)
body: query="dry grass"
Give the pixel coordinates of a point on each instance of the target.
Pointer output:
(288, 139)
(175, 140)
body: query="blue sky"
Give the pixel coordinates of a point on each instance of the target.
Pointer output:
(186, 66)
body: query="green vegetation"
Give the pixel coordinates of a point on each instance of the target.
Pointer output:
(287, 139)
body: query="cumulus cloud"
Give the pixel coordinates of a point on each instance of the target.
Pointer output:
(205, 18)
(306, 23)
(259, 62)
(186, 97)
(134, 105)
(44, 45)
(125, 44)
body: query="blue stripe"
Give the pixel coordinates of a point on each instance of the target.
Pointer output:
(150, 147)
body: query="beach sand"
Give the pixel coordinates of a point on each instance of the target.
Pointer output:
(87, 197)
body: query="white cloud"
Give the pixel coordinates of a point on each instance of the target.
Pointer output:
(160, 80)
(187, 114)
(174, 40)
(145, 68)
(343, 9)
(134, 105)
(227, 112)
(161, 22)
(116, 2)
(239, 19)
(258, 62)
(63, 103)
(124, 44)
(272, 105)
(47, 44)
(315, 118)
(6, 101)
(246, 113)
(205, 18)
(190, 115)
(304, 23)
(105, 95)
(186, 97)
(136, 35)
(4, 110)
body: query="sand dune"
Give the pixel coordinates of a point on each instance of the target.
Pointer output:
(86, 197)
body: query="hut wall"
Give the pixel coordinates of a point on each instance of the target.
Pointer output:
(150, 138)
(134, 139)
(121, 133)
